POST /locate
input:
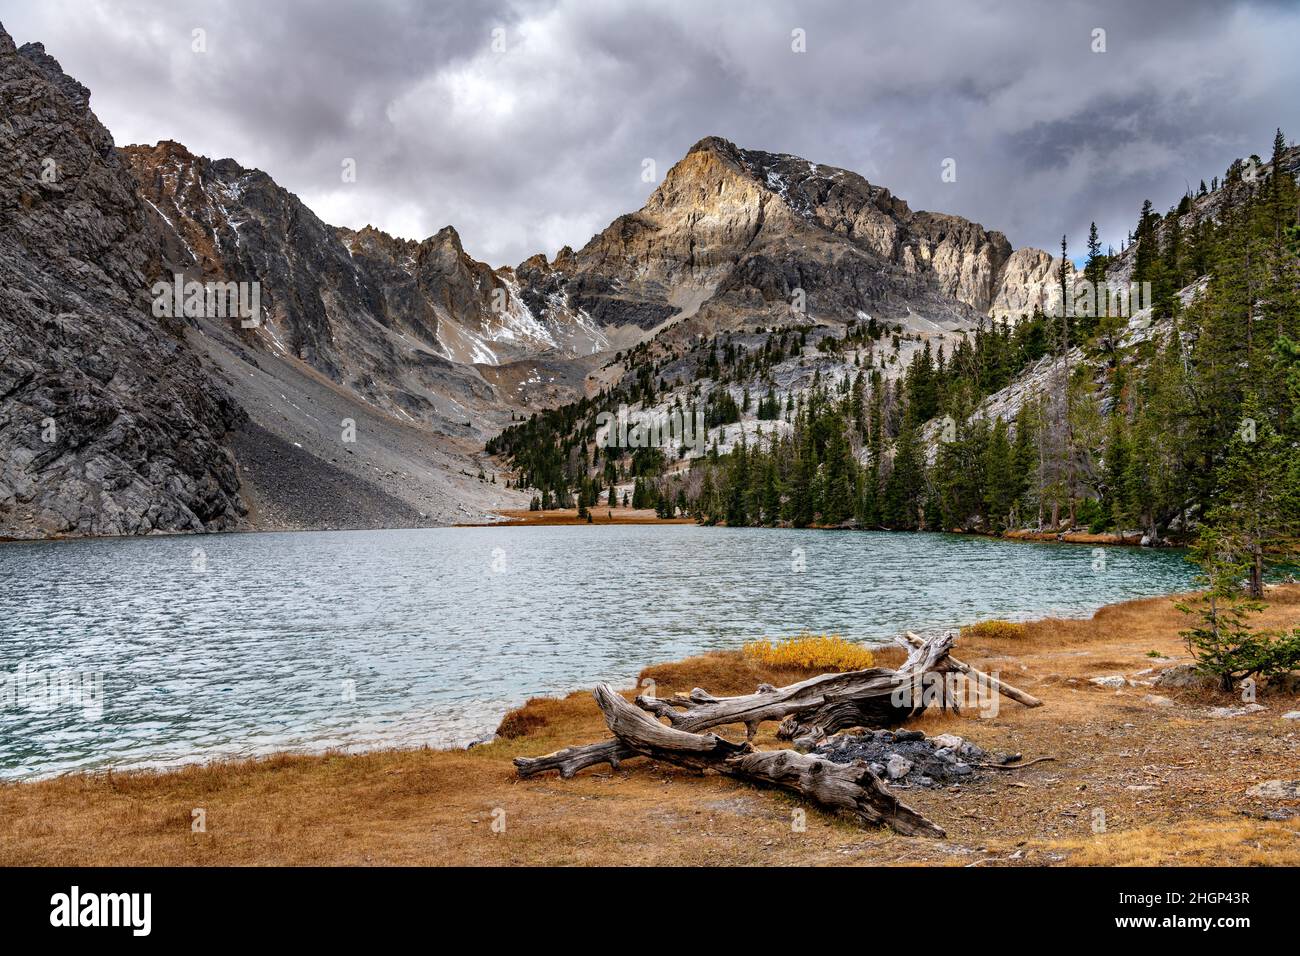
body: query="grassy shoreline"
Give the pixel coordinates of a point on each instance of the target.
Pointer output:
(1172, 782)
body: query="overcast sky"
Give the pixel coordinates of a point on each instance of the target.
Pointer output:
(541, 143)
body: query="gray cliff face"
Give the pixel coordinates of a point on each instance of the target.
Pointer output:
(1030, 278)
(407, 326)
(108, 423)
(321, 305)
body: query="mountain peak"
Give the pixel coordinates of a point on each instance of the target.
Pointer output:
(34, 53)
(715, 144)
(779, 173)
(447, 236)
(162, 150)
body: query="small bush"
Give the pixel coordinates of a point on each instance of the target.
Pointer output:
(1221, 638)
(520, 722)
(827, 652)
(1091, 513)
(995, 629)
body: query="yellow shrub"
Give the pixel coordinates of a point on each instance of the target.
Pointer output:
(994, 629)
(811, 651)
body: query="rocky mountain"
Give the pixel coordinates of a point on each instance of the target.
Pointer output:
(731, 236)
(208, 421)
(109, 424)
(932, 392)
(400, 323)
(115, 419)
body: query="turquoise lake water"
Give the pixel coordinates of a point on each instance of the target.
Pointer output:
(177, 649)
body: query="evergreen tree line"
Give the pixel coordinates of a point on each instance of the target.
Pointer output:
(1147, 436)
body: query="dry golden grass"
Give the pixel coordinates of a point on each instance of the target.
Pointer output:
(994, 629)
(1224, 838)
(1173, 783)
(816, 652)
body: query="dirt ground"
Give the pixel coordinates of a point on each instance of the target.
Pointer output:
(1133, 782)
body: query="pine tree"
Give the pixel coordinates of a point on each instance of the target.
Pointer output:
(1168, 277)
(1001, 488)
(905, 486)
(1118, 470)
(801, 508)
(1257, 504)
(1094, 274)
(738, 486)
(1223, 643)
(1024, 462)
(1145, 257)
(840, 480)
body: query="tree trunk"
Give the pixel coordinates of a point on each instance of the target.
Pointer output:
(768, 703)
(822, 705)
(850, 787)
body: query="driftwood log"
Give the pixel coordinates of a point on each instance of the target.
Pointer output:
(808, 710)
(850, 787)
(992, 683)
(811, 709)
(866, 693)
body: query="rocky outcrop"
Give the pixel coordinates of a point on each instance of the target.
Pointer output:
(407, 326)
(1029, 279)
(967, 260)
(365, 321)
(108, 423)
(733, 235)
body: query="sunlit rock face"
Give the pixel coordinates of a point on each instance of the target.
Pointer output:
(735, 235)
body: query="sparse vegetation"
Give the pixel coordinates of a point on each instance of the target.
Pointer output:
(521, 722)
(995, 629)
(1222, 641)
(823, 652)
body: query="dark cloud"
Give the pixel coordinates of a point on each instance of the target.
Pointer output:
(542, 144)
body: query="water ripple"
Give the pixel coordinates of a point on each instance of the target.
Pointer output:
(241, 645)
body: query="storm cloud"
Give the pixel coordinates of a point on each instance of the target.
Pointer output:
(527, 125)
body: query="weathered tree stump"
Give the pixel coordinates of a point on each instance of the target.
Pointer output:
(811, 708)
(849, 787)
(808, 711)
